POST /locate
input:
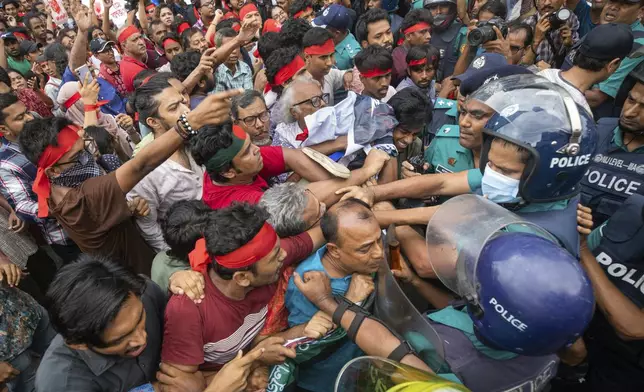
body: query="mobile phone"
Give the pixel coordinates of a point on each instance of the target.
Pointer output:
(82, 71)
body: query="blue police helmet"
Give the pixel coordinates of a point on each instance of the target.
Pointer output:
(534, 298)
(558, 137)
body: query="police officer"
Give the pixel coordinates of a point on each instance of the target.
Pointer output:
(617, 171)
(448, 34)
(614, 263)
(337, 20)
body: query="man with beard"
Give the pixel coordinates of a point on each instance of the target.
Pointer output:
(337, 20)
(36, 27)
(185, 64)
(616, 171)
(422, 63)
(551, 45)
(234, 72)
(373, 28)
(448, 34)
(134, 55)
(156, 57)
(589, 15)
(415, 30)
(375, 65)
(249, 112)
(15, 58)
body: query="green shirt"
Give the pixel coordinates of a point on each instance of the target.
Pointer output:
(22, 66)
(611, 85)
(415, 148)
(446, 155)
(345, 51)
(460, 42)
(618, 141)
(163, 267)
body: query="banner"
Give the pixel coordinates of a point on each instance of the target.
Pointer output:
(58, 13)
(118, 13)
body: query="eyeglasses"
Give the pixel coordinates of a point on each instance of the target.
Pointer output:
(79, 158)
(515, 49)
(211, 4)
(316, 101)
(252, 120)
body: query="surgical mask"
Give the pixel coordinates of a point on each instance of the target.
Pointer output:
(84, 169)
(499, 188)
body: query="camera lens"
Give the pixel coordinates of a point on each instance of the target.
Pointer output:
(563, 14)
(476, 37)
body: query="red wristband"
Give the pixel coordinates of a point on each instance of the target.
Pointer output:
(91, 108)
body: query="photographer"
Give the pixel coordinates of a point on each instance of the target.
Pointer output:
(556, 29)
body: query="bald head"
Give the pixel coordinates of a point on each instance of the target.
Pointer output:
(344, 215)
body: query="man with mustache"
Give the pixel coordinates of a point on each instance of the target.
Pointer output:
(337, 20)
(134, 55)
(552, 45)
(589, 15)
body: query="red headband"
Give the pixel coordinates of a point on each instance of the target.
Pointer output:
(150, 7)
(169, 39)
(20, 35)
(372, 73)
(417, 27)
(320, 50)
(127, 33)
(300, 13)
(247, 9)
(42, 187)
(256, 249)
(229, 15)
(271, 25)
(417, 62)
(182, 27)
(236, 27)
(288, 71)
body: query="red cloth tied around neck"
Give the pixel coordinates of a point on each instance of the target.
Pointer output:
(256, 249)
(417, 62)
(182, 27)
(168, 40)
(303, 135)
(76, 97)
(247, 9)
(42, 187)
(127, 33)
(372, 73)
(321, 50)
(271, 25)
(300, 13)
(417, 27)
(288, 71)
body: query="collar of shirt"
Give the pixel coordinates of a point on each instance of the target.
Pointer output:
(618, 141)
(637, 25)
(314, 263)
(453, 111)
(129, 59)
(9, 145)
(240, 69)
(345, 44)
(97, 363)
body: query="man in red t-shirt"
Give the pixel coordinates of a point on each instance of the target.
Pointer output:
(241, 258)
(134, 55)
(238, 170)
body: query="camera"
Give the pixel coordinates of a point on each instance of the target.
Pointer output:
(484, 31)
(558, 18)
(418, 162)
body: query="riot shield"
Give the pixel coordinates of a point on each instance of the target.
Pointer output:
(373, 374)
(459, 230)
(394, 309)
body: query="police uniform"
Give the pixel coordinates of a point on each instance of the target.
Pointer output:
(445, 113)
(614, 173)
(446, 155)
(450, 43)
(345, 51)
(618, 245)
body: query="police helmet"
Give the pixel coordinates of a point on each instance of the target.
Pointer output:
(429, 3)
(534, 298)
(636, 75)
(542, 118)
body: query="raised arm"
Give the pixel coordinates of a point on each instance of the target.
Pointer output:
(78, 55)
(107, 29)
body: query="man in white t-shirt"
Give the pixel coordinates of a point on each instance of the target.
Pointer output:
(594, 59)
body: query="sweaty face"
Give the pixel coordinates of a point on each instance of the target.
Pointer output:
(250, 119)
(632, 117)
(166, 17)
(377, 86)
(404, 137)
(505, 159)
(269, 268)
(422, 75)
(279, 15)
(18, 82)
(15, 117)
(379, 33)
(172, 48)
(619, 12)
(248, 162)
(473, 117)
(198, 42)
(359, 243)
(126, 336)
(548, 6)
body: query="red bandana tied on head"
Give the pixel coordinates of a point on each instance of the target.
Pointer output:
(230, 15)
(182, 27)
(168, 40)
(271, 25)
(321, 50)
(20, 35)
(300, 13)
(150, 7)
(417, 62)
(42, 187)
(373, 73)
(417, 27)
(288, 71)
(256, 249)
(127, 33)
(247, 9)
(236, 27)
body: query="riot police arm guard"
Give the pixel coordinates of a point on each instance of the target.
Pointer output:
(374, 337)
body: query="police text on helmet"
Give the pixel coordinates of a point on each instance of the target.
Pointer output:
(570, 161)
(516, 323)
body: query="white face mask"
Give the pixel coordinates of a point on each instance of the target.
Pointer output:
(499, 188)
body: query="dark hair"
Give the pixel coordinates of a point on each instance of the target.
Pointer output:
(496, 7)
(227, 23)
(411, 108)
(243, 101)
(329, 221)
(316, 36)
(6, 100)
(40, 133)
(87, 295)
(588, 63)
(63, 33)
(297, 6)
(154, 22)
(186, 35)
(231, 228)
(268, 43)
(523, 152)
(293, 31)
(104, 141)
(34, 4)
(161, 6)
(184, 63)
(143, 99)
(427, 51)
(7, 2)
(416, 16)
(225, 33)
(529, 34)
(373, 56)
(90, 31)
(141, 76)
(207, 142)
(59, 53)
(4, 77)
(278, 59)
(184, 223)
(372, 16)
(29, 16)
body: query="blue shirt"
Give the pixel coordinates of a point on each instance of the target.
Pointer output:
(582, 10)
(319, 377)
(106, 92)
